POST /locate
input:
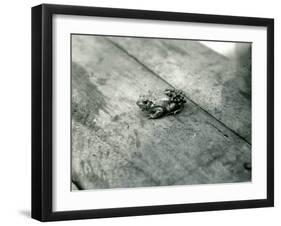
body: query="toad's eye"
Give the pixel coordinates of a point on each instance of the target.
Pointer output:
(145, 101)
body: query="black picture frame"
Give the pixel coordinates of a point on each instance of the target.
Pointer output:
(42, 107)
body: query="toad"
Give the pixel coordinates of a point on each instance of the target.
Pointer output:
(159, 104)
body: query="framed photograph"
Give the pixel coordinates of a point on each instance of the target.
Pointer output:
(145, 112)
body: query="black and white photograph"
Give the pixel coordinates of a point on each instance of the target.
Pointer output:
(143, 112)
(152, 111)
(140, 113)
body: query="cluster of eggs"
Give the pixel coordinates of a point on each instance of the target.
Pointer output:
(176, 96)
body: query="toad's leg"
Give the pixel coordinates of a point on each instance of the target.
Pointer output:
(175, 109)
(157, 113)
(171, 107)
(178, 110)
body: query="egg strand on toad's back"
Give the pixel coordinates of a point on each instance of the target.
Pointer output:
(159, 104)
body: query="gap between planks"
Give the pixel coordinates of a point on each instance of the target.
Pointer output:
(158, 76)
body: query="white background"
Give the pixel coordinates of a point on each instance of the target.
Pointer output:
(64, 199)
(15, 112)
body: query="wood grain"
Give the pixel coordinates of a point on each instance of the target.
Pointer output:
(115, 145)
(211, 80)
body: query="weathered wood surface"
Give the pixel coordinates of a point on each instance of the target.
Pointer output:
(115, 145)
(211, 80)
(74, 187)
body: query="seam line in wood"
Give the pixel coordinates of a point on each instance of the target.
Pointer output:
(155, 74)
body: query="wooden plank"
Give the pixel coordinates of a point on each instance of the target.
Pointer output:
(217, 84)
(115, 145)
(74, 187)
